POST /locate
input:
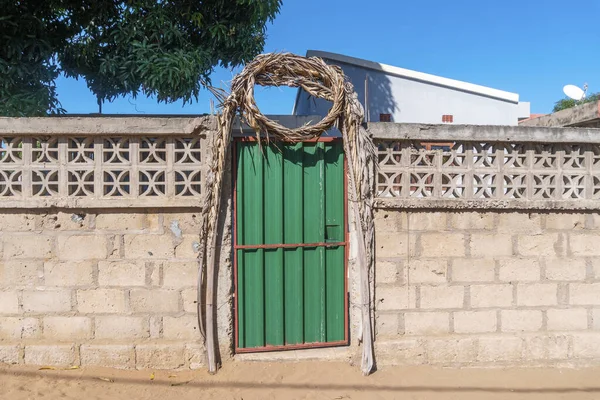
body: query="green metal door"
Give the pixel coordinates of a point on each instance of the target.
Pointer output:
(290, 245)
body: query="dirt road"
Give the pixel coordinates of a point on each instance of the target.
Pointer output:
(306, 380)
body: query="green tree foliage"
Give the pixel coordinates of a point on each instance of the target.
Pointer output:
(568, 103)
(163, 48)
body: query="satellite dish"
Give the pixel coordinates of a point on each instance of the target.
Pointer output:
(574, 92)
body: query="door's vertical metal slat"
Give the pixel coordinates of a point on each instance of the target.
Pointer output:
(240, 239)
(293, 231)
(334, 232)
(254, 258)
(274, 267)
(314, 273)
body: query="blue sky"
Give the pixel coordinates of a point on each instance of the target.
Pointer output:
(531, 47)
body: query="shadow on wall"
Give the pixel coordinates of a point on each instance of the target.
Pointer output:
(380, 96)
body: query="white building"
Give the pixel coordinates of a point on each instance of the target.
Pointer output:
(395, 94)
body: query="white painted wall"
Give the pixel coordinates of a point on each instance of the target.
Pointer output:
(411, 100)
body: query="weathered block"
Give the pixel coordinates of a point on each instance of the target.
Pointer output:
(427, 270)
(551, 347)
(546, 245)
(389, 220)
(392, 244)
(586, 345)
(183, 327)
(195, 355)
(565, 221)
(540, 294)
(187, 221)
(595, 216)
(491, 245)
(180, 274)
(46, 301)
(401, 352)
(105, 355)
(500, 348)
(449, 351)
(472, 221)
(595, 268)
(125, 221)
(64, 221)
(9, 303)
(9, 354)
(427, 221)
(82, 247)
(519, 222)
(565, 269)
(396, 298)
(442, 296)
(149, 246)
(596, 319)
(27, 246)
(584, 293)
(155, 301)
(387, 324)
(59, 355)
(475, 321)
(426, 323)
(14, 328)
(67, 328)
(68, 273)
(101, 301)
(521, 320)
(121, 273)
(188, 248)
(16, 221)
(584, 244)
(153, 272)
(160, 356)
(442, 244)
(519, 270)
(473, 270)
(190, 300)
(155, 326)
(570, 319)
(121, 327)
(20, 273)
(491, 296)
(387, 272)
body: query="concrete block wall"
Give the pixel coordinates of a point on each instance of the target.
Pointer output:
(100, 287)
(487, 288)
(117, 288)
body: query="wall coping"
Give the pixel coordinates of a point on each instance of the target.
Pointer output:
(482, 133)
(126, 125)
(181, 125)
(92, 126)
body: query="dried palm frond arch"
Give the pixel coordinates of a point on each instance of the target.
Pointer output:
(319, 80)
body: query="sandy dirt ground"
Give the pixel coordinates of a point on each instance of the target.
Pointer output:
(305, 380)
